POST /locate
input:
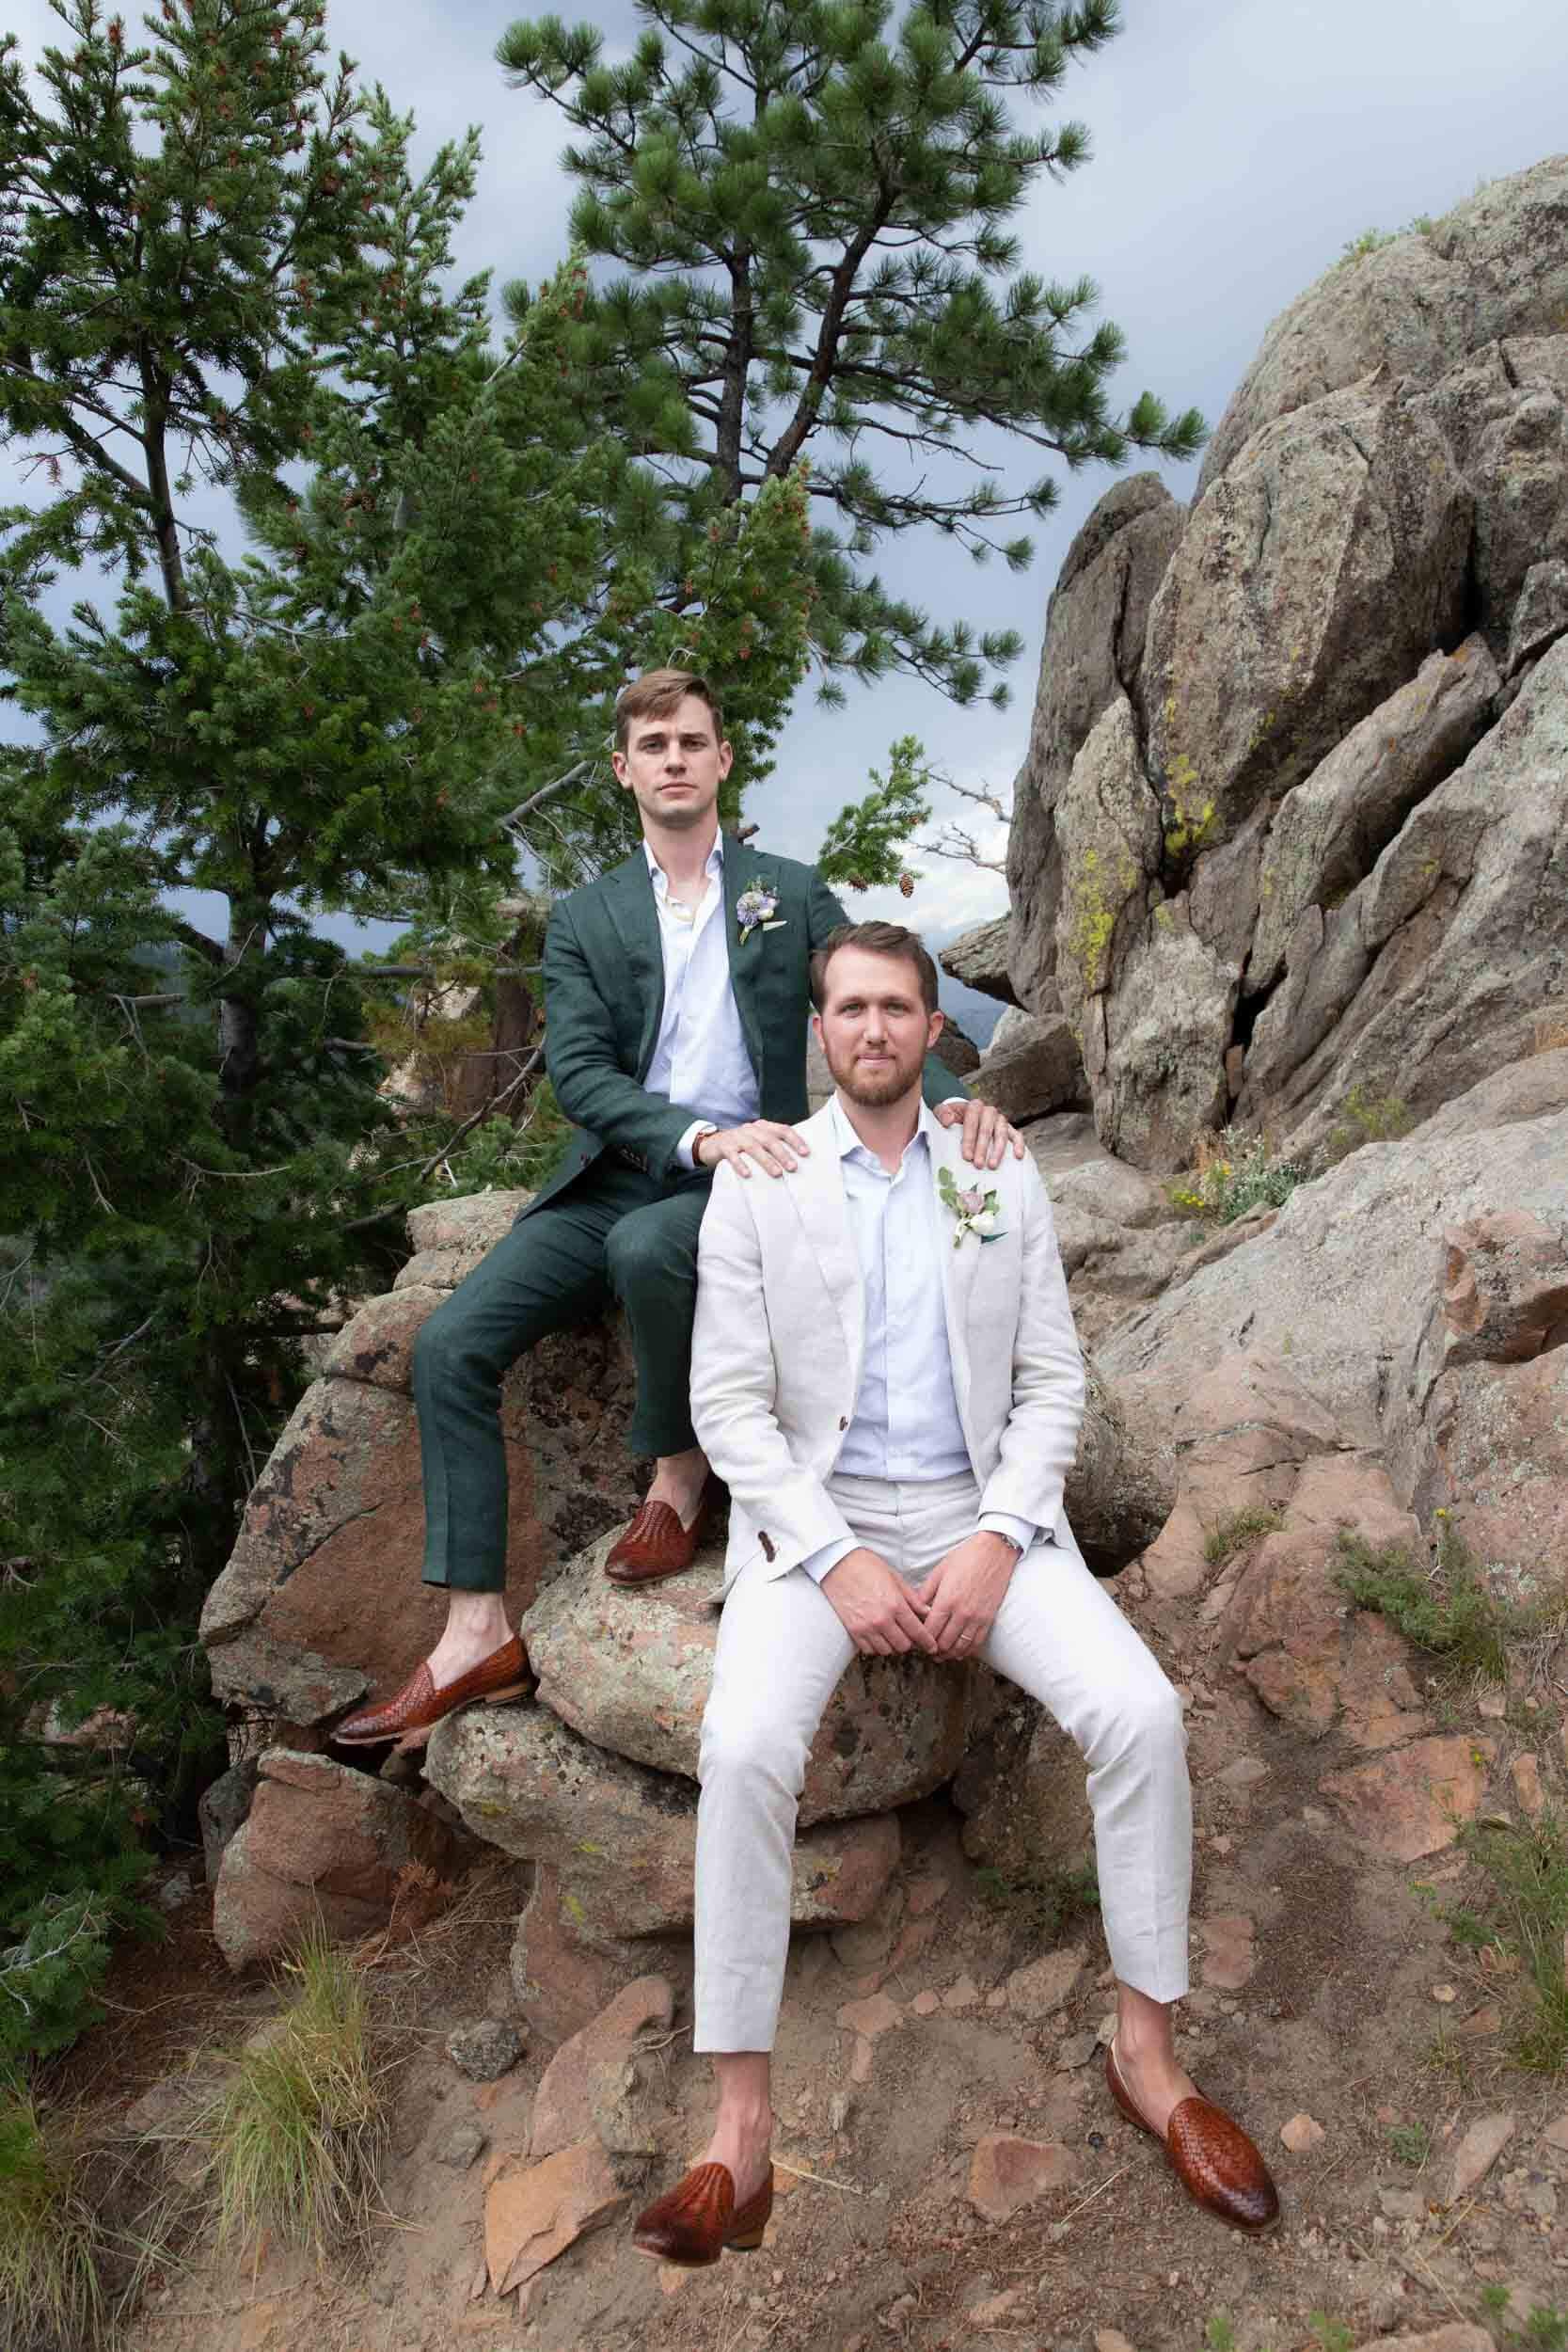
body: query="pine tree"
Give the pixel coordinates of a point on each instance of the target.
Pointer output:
(810, 208)
(361, 585)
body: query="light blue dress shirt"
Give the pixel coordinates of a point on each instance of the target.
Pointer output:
(906, 1426)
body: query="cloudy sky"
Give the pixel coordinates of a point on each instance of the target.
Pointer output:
(1238, 145)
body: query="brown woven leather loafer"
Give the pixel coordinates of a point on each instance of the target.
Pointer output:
(657, 1544)
(1211, 2155)
(693, 2223)
(411, 1714)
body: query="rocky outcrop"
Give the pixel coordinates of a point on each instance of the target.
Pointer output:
(1340, 1285)
(321, 1602)
(1031, 1066)
(1093, 651)
(328, 1848)
(623, 1839)
(979, 960)
(1291, 828)
(1496, 266)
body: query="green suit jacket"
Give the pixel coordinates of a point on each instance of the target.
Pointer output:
(604, 1000)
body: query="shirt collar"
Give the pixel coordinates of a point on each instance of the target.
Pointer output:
(926, 1129)
(714, 868)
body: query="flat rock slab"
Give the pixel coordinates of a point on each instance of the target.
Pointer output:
(1046, 1984)
(1478, 2152)
(1006, 2173)
(533, 2215)
(1412, 1801)
(565, 2101)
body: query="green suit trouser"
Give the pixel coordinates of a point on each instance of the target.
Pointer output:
(616, 1234)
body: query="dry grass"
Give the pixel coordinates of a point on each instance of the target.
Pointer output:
(299, 2134)
(1551, 1030)
(84, 2223)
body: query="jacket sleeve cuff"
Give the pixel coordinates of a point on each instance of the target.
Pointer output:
(817, 1564)
(1023, 1532)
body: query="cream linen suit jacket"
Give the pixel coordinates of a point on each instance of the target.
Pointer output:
(781, 1332)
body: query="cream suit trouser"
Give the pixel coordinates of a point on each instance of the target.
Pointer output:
(1058, 1634)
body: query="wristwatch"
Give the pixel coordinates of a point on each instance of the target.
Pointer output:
(697, 1143)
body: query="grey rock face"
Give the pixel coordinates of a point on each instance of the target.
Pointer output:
(1496, 265)
(1093, 650)
(1330, 830)
(1438, 966)
(1352, 1252)
(1313, 579)
(1294, 844)
(1030, 1067)
(979, 959)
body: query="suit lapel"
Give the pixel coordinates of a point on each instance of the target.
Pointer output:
(817, 1189)
(957, 1266)
(629, 891)
(741, 868)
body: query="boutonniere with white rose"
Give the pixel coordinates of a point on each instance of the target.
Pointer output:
(977, 1212)
(754, 909)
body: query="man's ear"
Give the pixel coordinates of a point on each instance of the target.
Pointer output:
(618, 761)
(817, 1026)
(726, 759)
(935, 1024)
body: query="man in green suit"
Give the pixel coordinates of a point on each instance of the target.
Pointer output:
(676, 1000)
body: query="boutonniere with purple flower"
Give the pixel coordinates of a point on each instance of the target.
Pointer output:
(977, 1212)
(753, 910)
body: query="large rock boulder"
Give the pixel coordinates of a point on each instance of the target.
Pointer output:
(979, 959)
(1496, 266)
(1284, 835)
(324, 1847)
(321, 1602)
(1031, 1066)
(620, 1841)
(630, 1671)
(1340, 1286)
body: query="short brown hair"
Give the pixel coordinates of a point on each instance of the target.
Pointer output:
(659, 694)
(876, 939)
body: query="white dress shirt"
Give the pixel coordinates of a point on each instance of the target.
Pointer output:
(700, 1057)
(906, 1426)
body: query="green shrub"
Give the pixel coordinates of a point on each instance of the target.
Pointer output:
(1367, 1119)
(70, 1862)
(1237, 1528)
(1045, 1904)
(1236, 1174)
(1449, 1613)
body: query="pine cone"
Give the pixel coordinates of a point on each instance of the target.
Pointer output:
(858, 882)
(906, 885)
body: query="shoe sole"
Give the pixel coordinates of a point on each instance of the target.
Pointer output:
(701, 2262)
(419, 1737)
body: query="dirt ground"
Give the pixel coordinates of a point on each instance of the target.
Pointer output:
(1349, 2004)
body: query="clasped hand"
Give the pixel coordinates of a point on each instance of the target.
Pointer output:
(948, 1615)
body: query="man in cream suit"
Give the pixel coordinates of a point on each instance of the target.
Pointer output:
(885, 1373)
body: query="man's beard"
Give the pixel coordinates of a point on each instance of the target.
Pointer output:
(874, 1092)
